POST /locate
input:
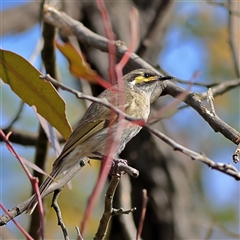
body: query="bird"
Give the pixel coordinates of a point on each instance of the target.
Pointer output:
(99, 124)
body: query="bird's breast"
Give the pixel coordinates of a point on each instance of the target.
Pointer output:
(138, 107)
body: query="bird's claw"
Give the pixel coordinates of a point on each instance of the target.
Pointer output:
(117, 166)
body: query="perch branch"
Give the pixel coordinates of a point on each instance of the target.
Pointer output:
(107, 215)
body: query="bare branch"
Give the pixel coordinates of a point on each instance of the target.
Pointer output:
(89, 38)
(106, 217)
(120, 166)
(59, 214)
(20, 208)
(20, 137)
(222, 167)
(33, 180)
(121, 211)
(194, 100)
(24, 138)
(217, 89)
(127, 222)
(79, 233)
(222, 88)
(25, 233)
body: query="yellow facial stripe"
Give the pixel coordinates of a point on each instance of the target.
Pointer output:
(141, 79)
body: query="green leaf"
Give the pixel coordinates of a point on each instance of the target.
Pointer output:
(24, 80)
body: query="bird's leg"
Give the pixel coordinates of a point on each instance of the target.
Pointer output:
(117, 166)
(120, 167)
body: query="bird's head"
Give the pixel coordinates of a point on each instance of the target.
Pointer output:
(144, 79)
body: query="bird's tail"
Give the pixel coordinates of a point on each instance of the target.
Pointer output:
(44, 186)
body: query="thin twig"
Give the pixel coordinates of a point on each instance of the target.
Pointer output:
(33, 180)
(123, 167)
(222, 167)
(143, 213)
(80, 237)
(59, 214)
(195, 83)
(118, 167)
(121, 211)
(217, 90)
(125, 201)
(222, 87)
(20, 208)
(107, 215)
(200, 84)
(218, 87)
(194, 100)
(40, 158)
(25, 233)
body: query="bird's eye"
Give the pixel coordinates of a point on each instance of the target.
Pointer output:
(146, 75)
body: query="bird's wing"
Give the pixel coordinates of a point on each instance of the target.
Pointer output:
(95, 119)
(92, 122)
(80, 134)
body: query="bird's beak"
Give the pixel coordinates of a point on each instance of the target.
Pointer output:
(166, 78)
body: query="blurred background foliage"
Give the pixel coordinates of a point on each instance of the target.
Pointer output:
(197, 39)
